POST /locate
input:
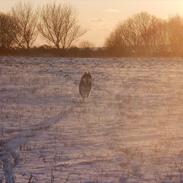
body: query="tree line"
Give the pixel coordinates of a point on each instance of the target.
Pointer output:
(147, 35)
(57, 25)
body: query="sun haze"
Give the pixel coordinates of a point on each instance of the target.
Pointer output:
(99, 17)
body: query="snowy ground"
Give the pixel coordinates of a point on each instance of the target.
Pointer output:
(130, 129)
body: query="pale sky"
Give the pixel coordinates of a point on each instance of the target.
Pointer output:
(100, 17)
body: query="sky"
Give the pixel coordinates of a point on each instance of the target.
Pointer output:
(99, 17)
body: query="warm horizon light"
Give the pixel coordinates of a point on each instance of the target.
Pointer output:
(99, 18)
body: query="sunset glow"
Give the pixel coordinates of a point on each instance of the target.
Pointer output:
(100, 17)
(91, 91)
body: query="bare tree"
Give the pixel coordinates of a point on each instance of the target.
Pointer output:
(175, 29)
(8, 30)
(142, 32)
(86, 44)
(59, 25)
(26, 19)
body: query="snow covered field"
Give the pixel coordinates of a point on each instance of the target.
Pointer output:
(130, 129)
